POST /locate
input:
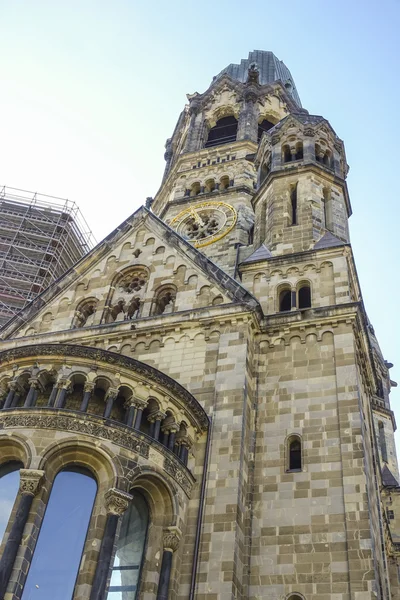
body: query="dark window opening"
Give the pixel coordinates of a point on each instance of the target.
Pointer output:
(224, 132)
(295, 455)
(287, 155)
(382, 442)
(265, 125)
(305, 297)
(293, 202)
(299, 151)
(285, 300)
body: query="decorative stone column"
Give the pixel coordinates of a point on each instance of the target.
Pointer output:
(116, 503)
(155, 419)
(32, 393)
(171, 538)
(87, 394)
(53, 396)
(173, 430)
(12, 387)
(30, 481)
(140, 405)
(63, 389)
(111, 395)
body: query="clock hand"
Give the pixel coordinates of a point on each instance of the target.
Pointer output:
(196, 217)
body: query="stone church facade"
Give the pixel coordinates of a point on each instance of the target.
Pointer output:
(210, 368)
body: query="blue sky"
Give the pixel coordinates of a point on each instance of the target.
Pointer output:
(91, 90)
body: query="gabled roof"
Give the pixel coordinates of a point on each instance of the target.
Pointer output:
(262, 253)
(232, 288)
(328, 240)
(388, 479)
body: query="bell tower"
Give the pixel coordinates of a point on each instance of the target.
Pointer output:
(211, 179)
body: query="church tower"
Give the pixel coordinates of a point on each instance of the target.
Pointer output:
(199, 408)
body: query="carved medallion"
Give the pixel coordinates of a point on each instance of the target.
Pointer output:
(205, 223)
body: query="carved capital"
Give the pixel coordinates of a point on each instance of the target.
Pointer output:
(12, 385)
(30, 481)
(137, 403)
(171, 538)
(88, 387)
(63, 384)
(156, 416)
(111, 393)
(116, 501)
(34, 382)
(170, 428)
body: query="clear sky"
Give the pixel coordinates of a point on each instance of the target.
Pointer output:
(90, 90)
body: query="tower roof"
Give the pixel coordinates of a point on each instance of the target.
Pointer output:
(270, 69)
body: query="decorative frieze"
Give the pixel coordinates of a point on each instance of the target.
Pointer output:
(93, 426)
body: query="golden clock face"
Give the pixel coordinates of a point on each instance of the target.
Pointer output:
(205, 223)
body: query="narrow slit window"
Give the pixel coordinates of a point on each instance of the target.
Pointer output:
(295, 455)
(293, 203)
(382, 442)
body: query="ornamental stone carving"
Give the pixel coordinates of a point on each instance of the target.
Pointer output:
(117, 501)
(96, 355)
(93, 426)
(171, 538)
(30, 481)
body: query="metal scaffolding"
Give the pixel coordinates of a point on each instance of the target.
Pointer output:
(41, 237)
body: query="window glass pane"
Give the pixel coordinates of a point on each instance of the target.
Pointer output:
(129, 554)
(61, 539)
(9, 484)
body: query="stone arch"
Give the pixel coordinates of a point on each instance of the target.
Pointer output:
(84, 312)
(283, 297)
(164, 300)
(73, 451)
(304, 294)
(158, 491)
(17, 448)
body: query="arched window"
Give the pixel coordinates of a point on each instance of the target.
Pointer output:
(382, 442)
(304, 296)
(285, 300)
(164, 301)
(84, 313)
(224, 183)
(57, 556)
(195, 189)
(299, 151)
(224, 132)
(210, 185)
(9, 484)
(265, 125)
(294, 454)
(287, 155)
(128, 559)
